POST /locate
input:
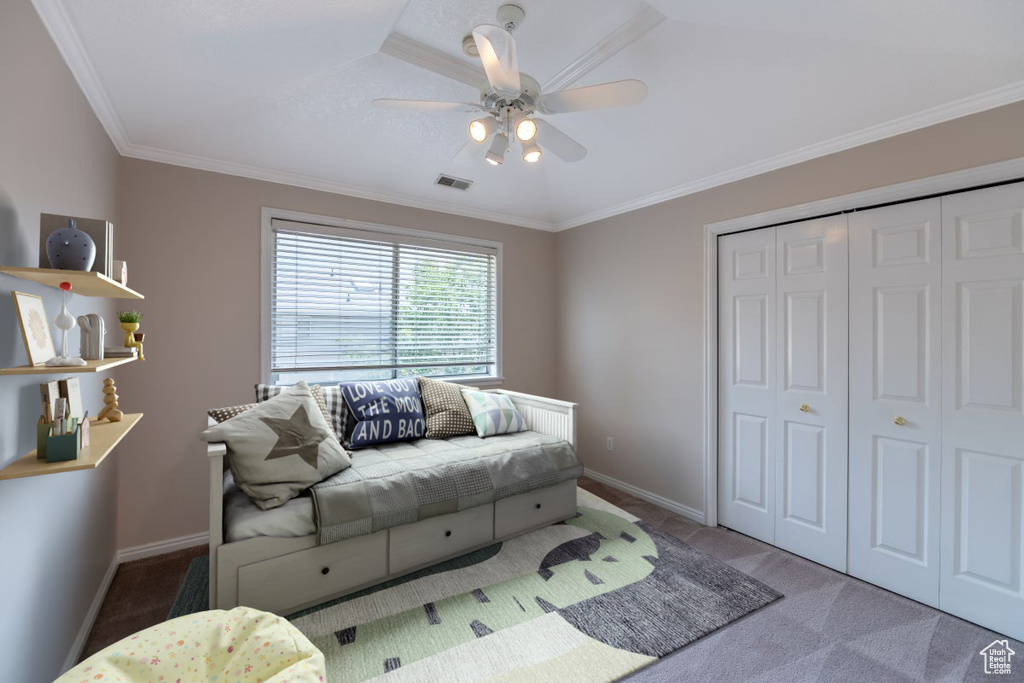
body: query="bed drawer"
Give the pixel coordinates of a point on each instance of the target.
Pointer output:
(287, 583)
(431, 539)
(535, 509)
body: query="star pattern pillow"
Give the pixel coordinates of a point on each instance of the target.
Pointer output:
(280, 447)
(447, 414)
(493, 414)
(325, 398)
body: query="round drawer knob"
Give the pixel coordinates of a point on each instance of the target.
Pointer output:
(805, 408)
(538, 506)
(325, 570)
(900, 420)
(447, 533)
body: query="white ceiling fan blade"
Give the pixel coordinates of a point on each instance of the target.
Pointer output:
(602, 96)
(426, 105)
(497, 51)
(558, 143)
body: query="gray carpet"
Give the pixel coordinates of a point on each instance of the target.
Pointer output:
(829, 627)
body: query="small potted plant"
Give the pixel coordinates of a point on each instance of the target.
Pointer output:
(130, 323)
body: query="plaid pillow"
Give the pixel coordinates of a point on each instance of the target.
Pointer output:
(447, 413)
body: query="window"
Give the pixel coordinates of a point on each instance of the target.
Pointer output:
(368, 303)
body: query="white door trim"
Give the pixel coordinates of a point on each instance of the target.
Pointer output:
(915, 189)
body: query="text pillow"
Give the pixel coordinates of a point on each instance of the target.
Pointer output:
(382, 412)
(493, 413)
(447, 414)
(280, 447)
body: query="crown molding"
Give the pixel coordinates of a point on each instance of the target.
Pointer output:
(974, 104)
(635, 27)
(64, 35)
(998, 172)
(313, 183)
(419, 54)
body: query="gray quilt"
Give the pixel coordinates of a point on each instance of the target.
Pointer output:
(400, 483)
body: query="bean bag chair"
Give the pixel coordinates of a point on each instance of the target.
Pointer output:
(238, 646)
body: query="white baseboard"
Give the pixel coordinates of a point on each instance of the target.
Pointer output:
(125, 555)
(90, 617)
(161, 547)
(660, 501)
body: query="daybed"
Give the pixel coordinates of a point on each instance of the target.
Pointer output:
(280, 561)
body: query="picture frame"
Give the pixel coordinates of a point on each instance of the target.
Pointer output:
(35, 327)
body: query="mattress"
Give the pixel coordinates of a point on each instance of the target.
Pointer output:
(243, 519)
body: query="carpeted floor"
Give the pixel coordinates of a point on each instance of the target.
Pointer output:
(829, 627)
(592, 598)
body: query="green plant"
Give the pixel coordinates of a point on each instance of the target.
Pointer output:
(129, 316)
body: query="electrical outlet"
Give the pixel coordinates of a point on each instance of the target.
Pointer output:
(608, 444)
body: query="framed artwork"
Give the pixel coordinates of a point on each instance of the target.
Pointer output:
(35, 330)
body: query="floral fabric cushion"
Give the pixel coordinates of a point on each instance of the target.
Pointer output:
(447, 413)
(242, 646)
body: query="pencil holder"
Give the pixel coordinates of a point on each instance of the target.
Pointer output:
(42, 431)
(64, 447)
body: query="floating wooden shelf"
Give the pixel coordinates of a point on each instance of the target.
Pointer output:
(86, 283)
(103, 436)
(90, 366)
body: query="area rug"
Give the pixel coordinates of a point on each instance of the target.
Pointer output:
(589, 599)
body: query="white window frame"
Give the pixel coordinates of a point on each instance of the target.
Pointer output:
(328, 225)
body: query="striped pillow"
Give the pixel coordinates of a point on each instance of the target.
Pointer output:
(327, 399)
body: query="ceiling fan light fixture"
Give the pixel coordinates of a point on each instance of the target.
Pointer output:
(526, 130)
(532, 153)
(496, 154)
(481, 129)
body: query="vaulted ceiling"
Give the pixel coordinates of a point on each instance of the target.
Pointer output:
(282, 90)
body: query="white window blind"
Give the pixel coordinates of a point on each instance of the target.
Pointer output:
(351, 304)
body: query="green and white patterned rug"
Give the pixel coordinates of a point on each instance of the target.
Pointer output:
(589, 599)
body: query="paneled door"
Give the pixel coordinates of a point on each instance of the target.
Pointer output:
(982, 555)
(746, 383)
(811, 390)
(895, 397)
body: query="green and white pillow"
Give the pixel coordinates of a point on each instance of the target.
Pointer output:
(281, 447)
(493, 413)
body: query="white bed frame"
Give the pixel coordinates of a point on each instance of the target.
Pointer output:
(284, 575)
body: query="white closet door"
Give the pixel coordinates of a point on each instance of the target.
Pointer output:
(811, 404)
(746, 390)
(895, 397)
(982, 567)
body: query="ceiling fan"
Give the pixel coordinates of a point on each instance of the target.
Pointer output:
(511, 100)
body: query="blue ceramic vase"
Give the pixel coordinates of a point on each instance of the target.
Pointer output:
(70, 249)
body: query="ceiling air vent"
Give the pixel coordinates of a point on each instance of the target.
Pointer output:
(457, 183)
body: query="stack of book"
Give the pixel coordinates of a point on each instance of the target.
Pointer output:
(120, 352)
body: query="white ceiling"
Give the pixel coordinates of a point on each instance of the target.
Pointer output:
(282, 90)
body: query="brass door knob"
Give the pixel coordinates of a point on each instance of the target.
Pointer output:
(900, 420)
(805, 408)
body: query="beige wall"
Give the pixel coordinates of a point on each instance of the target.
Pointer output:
(193, 248)
(631, 296)
(57, 532)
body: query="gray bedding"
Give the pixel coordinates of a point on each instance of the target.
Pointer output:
(400, 483)
(244, 519)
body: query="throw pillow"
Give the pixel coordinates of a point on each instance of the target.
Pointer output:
(221, 414)
(447, 414)
(280, 447)
(382, 412)
(326, 399)
(493, 413)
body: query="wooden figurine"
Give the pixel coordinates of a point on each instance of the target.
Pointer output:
(110, 410)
